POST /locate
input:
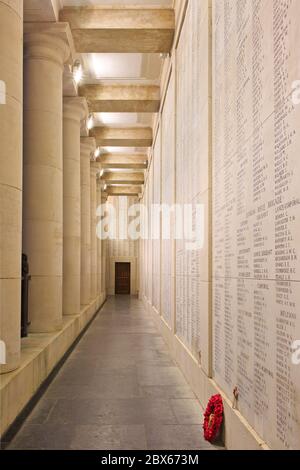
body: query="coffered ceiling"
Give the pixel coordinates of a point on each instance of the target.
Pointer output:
(121, 45)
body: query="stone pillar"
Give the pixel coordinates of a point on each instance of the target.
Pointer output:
(99, 242)
(75, 109)
(44, 56)
(11, 60)
(103, 256)
(88, 145)
(94, 260)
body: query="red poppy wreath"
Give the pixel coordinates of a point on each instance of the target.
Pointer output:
(213, 418)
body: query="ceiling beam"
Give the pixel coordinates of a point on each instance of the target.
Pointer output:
(121, 29)
(122, 98)
(123, 190)
(122, 137)
(123, 178)
(123, 161)
(47, 10)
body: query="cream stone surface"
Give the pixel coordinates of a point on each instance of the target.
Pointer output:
(124, 190)
(87, 146)
(213, 123)
(255, 222)
(74, 110)
(40, 353)
(122, 98)
(123, 137)
(124, 161)
(133, 178)
(44, 56)
(11, 71)
(94, 260)
(121, 29)
(99, 240)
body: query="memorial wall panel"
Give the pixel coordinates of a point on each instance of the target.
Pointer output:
(156, 243)
(149, 241)
(256, 212)
(192, 177)
(146, 241)
(168, 199)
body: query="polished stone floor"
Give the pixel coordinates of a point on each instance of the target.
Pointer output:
(118, 390)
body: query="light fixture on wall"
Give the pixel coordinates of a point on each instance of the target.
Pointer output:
(105, 187)
(101, 173)
(164, 55)
(97, 152)
(90, 122)
(77, 71)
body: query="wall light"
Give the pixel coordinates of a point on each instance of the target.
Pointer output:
(101, 173)
(77, 71)
(90, 122)
(97, 152)
(105, 187)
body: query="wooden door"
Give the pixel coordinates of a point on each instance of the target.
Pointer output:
(122, 279)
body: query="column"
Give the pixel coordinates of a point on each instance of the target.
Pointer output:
(99, 242)
(94, 270)
(11, 59)
(44, 56)
(74, 110)
(88, 145)
(103, 256)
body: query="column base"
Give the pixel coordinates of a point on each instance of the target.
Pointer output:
(13, 365)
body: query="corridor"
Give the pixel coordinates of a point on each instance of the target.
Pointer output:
(150, 148)
(118, 390)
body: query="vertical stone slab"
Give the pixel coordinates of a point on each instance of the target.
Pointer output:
(99, 243)
(75, 109)
(193, 180)
(256, 206)
(168, 199)
(87, 147)
(11, 65)
(94, 269)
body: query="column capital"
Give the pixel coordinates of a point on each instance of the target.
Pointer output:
(42, 46)
(75, 108)
(70, 87)
(87, 146)
(52, 41)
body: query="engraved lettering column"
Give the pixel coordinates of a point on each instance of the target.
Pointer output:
(75, 109)
(11, 59)
(44, 57)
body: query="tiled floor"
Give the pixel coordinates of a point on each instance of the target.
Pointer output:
(118, 390)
